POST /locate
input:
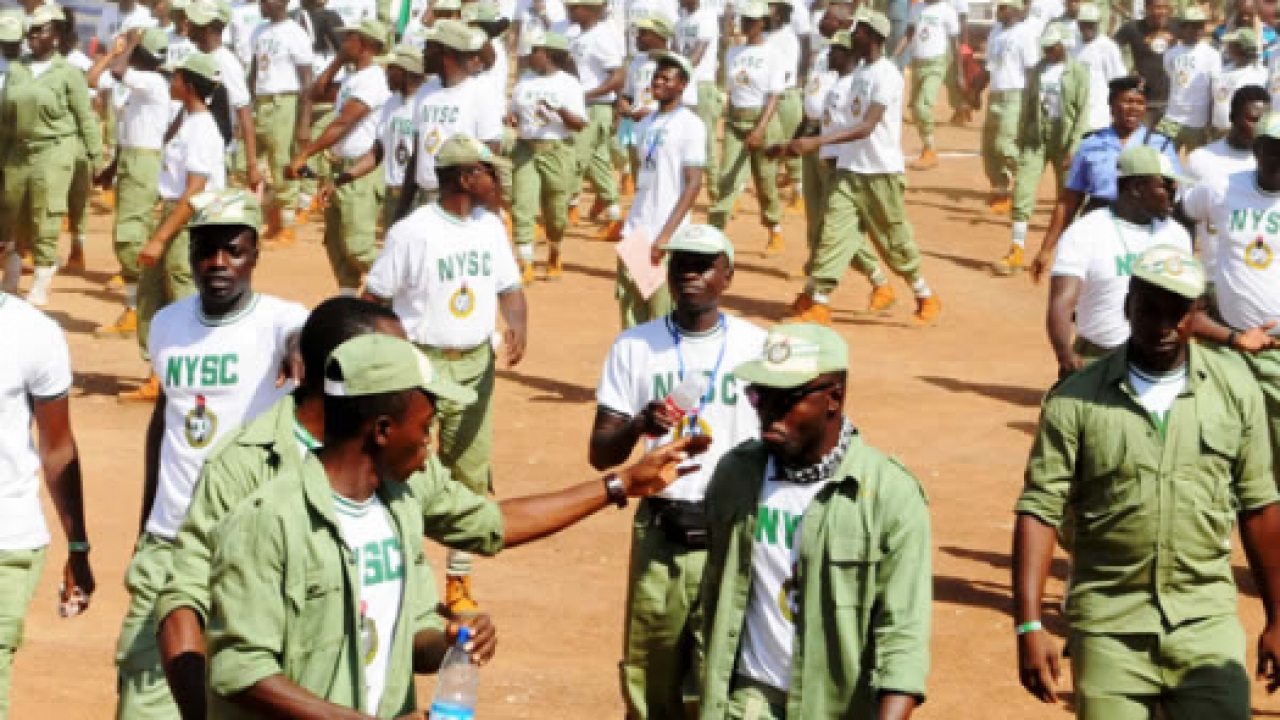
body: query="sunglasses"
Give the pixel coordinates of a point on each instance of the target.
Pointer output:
(782, 399)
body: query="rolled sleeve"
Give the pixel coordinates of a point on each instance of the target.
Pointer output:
(901, 627)
(1051, 467)
(455, 516)
(1254, 479)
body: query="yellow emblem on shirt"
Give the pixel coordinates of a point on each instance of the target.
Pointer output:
(789, 595)
(462, 302)
(1257, 254)
(200, 424)
(742, 79)
(433, 140)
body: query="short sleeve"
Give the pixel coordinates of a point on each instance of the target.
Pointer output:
(488, 114)
(575, 99)
(1072, 257)
(290, 320)
(953, 23)
(506, 274)
(148, 85)
(617, 391)
(301, 52)
(371, 89)
(1199, 201)
(693, 143)
(883, 92)
(49, 374)
(777, 81)
(204, 154)
(384, 276)
(1078, 173)
(234, 81)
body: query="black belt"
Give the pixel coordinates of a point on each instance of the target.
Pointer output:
(684, 522)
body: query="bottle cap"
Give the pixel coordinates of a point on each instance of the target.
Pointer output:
(464, 634)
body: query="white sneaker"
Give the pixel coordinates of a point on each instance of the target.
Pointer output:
(38, 295)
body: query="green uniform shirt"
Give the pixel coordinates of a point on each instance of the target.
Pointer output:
(267, 447)
(1151, 517)
(52, 106)
(865, 584)
(1073, 108)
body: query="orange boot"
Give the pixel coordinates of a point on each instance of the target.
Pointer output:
(928, 160)
(147, 392)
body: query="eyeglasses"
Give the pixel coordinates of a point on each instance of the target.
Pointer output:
(762, 397)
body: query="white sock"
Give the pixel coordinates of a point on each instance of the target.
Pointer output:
(131, 296)
(39, 292)
(921, 288)
(526, 252)
(1020, 233)
(348, 292)
(614, 212)
(878, 278)
(820, 298)
(928, 143)
(776, 229)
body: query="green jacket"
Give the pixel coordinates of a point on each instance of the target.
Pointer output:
(267, 447)
(1073, 114)
(1151, 517)
(54, 106)
(865, 584)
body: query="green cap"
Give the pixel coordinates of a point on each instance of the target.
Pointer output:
(550, 40)
(44, 15)
(203, 12)
(447, 5)
(179, 5)
(465, 150)
(754, 9)
(877, 21)
(1052, 36)
(225, 207)
(675, 57)
(376, 364)
(1246, 37)
(201, 64)
(1088, 12)
(1011, 3)
(1193, 14)
(404, 56)
(371, 28)
(155, 41)
(700, 239)
(842, 39)
(456, 35)
(481, 12)
(1173, 269)
(1269, 126)
(794, 354)
(1146, 160)
(658, 24)
(10, 25)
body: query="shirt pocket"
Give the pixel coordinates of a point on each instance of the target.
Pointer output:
(854, 558)
(1116, 488)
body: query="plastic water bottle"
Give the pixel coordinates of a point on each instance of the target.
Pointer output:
(459, 678)
(687, 394)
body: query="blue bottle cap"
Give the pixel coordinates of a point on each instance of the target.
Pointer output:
(464, 634)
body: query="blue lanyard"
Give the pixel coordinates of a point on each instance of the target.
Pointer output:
(715, 371)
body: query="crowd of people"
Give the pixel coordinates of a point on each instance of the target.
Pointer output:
(780, 567)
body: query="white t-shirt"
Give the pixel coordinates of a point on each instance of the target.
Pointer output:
(395, 132)
(532, 25)
(1213, 163)
(936, 23)
(368, 86)
(821, 76)
(1051, 90)
(1042, 12)
(468, 108)
(1191, 70)
(35, 366)
(367, 529)
(238, 35)
(1247, 220)
(353, 11)
(179, 48)
(1225, 86)
(645, 364)
(838, 115)
(786, 51)
(1157, 392)
(597, 53)
(700, 26)
(1011, 53)
(497, 75)
(444, 274)
(1102, 57)
(145, 116)
(233, 78)
(560, 90)
(773, 601)
(880, 83)
(216, 374)
(196, 148)
(79, 60)
(751, 73)
(1100, 249)
(666, 144)
(639, 85)
(111, 23)
(279, 49)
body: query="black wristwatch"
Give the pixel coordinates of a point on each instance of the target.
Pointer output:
(615, 489)
(1231, 338)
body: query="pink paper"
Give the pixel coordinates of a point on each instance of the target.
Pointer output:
(635, 249)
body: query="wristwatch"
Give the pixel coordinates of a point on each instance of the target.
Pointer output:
(615, 489)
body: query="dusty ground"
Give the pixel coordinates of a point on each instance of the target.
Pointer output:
(957, 403)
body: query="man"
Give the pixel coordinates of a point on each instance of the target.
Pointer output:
(1146, 41)
(663, 648)
(788, 37)
(207, 20)
(1100, 54)
(351, 219)
(35, 380)
(818, 582)
(219, 357)
(1191, 66)
(635, 101)
(1085, 316)
(671, 144)
(1143, 463)
(1240, 70)
(932, 38)
(698, 38)
(449, 292)
(598, 54)
(1012, 51)
(380, 397)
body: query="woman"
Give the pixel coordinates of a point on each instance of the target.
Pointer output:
(1092, 179)
(49, 122)
(547, 106)
(194, 162)
(78, 193)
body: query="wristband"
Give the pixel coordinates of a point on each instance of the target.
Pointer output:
(615, 490)
(78, 547)
(1028, 627)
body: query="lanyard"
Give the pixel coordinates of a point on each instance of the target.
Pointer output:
(1151, 231)
(715, 371)
(654, 136)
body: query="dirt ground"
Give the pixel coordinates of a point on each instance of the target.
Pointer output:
(957, 402)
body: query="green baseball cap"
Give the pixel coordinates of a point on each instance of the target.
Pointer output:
(1173, 269)
(406, 57)
(794, 354)
(551, 41)
(439, 5)
(700, 239)
(44, 15)
(842, 39)
(754, 9)
(10, 26)
(1269, 126)
(1246, 37)
(481, 12)
(201, 64)
(232, 206)
(465, 150)
(203, 12)
(877, 21)
(1146, 160)
(658, 24)
(371, 28)
(1052, 36)
(1088, 12)
(1193, 14)
(674, 57)
(376, 364)
(155, 41)
(456, 35)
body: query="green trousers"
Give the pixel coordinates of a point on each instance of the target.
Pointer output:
(859, 206)
(790, 115)
(819, 179)
(927, 77)
(351, 227)
(710, 110)
(276, 118)
(755, 701)
(543, 173)
(1190, 672)
(321, 117)
(1031, 162)
(19, 575)
(633, 308)
(736, 160)
(1000, 137)
(137, 175)
(592, 147)
(168, 281)
(663, 648)
(78, 196)
(37, 180)
(143, 691)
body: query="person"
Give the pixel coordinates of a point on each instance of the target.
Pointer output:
(1113, 442)
(449, 293)
(134, 64)
(394, 146)
(1242, 70)
(381, 395)
(698, 38)
(672, 142)
(1100, 54)
(932, 36)
(663, 637)
(324, 27)
(598, 53)
(868, 193)
(220, 355)
(818, 582)
(1146, 40)
(547, 106)
(1091, 179)
(11, 32)
(280, 74)
(1191, 66)
(1012, 51)
(179, 32)
(351, 218)
(48, 119)
(532, 18)
(35, 382)
(787, 34)
(635, 101)
(960, 97)
(1085, 317)
(81, 178)
(1055, 116)
(755, 80)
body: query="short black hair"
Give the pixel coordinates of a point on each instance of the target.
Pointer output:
(1120, 86)
(449, 177)
(330, 324)
(1246, 95)
(666, 62)
(346, 417)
